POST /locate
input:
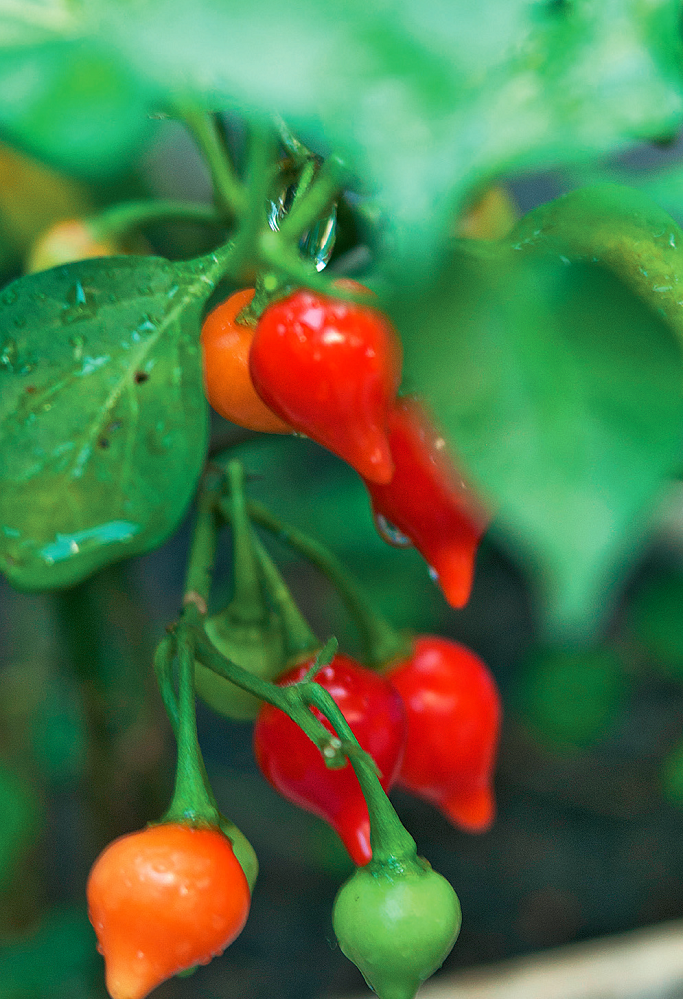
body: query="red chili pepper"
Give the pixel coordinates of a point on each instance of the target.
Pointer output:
(454, 716)
(428, 501)
(163, 900)
(330, 369)
(295, 767)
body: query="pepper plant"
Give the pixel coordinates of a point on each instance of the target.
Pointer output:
(364, 282)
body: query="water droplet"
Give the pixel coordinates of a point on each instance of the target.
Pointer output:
(76, 294)
(391, 534)
(80, 304)
(8, 354)
(67, 545)
(277, 209)
(433, 574)
(9, 296)
(77, 343)
(318, 242)
(146, 324)
(20, 322)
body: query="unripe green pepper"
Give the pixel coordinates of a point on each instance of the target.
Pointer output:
(242, 849)
(257, 647)
(397, 920)
(247, 631)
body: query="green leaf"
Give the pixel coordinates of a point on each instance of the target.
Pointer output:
(103, 420)
(427, 100)
(74, 104)
(624, 230)
(561, 394)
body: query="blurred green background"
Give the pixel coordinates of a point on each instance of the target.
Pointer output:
(590, 779)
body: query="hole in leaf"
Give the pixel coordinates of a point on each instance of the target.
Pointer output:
(140, 377)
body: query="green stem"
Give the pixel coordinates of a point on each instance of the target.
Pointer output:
(300, 641)
(298, 270)
(247, 605)
(296, 150)
(287, 699)
(230, 194)
(261, 168)
(303, 184)
(314, 199)
(193, 801)
(388, 837)
(117, 222)
(203, 546)
(382, 643)
(269, 285)
(163, 664)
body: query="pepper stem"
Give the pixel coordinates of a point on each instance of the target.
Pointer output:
(193, 801)
(117, 222)
(389, 839)
(228, 189)
(317, 193)
(299, 640)
(248, 605)
(382, 643)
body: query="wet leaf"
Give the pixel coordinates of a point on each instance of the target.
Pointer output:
(623, 229)
(103, 420)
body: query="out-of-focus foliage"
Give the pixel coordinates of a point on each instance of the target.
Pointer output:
(560, 391)
(424, 102)
(569, 699)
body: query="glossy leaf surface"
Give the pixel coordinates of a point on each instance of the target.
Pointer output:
(103, 420)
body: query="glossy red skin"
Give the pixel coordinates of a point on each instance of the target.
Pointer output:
(428, 501)
(454, 716)
(331, 370)
(295, 767)
(163, 900)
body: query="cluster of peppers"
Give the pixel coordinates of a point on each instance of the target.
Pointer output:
(330, 369)
(331, 734)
